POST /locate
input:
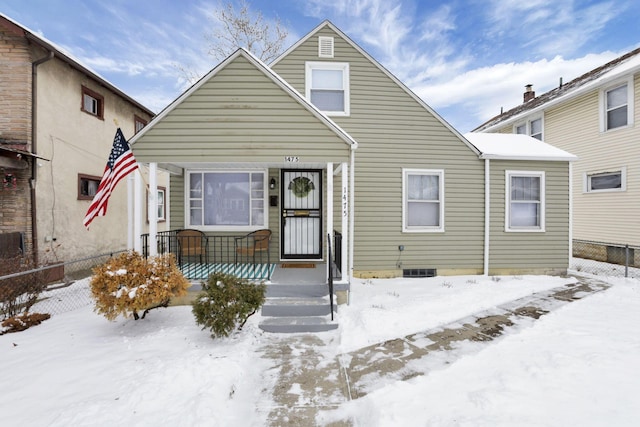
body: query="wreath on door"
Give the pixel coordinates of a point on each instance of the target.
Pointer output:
(301, 186)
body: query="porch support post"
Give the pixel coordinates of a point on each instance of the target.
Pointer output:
(352, 210)
(137, 212)
(152, 208)
(130, 218)
(345, 219)
(329, 209)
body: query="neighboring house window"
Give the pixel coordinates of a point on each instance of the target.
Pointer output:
(423, 200)
(161, 204)
(525, 206)
(92, 102)
(87, 186)
(533, 128)
(139, 123)
(327, 87)
(227, 200)
(617, 106)
(605, 181)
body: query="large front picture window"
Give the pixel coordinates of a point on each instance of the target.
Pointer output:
(227, 200)
(423, 205)
(525, 201)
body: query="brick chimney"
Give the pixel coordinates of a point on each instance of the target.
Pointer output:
(529, 93)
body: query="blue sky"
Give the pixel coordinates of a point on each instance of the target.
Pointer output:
(466, 59)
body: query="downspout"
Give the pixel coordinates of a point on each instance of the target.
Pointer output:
(570, 214)
(34, 150)
(487, 213)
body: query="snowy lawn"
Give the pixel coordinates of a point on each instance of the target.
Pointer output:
(579, 365)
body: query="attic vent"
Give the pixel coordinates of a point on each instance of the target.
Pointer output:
(325, 47)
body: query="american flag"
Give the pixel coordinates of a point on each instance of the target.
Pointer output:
(121, 163)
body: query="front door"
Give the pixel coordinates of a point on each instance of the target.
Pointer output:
(301, 217)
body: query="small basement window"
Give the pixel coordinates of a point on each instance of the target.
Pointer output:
(419, 272)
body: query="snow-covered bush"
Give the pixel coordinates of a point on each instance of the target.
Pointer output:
(128, 284)
(226, 303)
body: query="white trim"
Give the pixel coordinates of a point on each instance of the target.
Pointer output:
(423, 229)
(243, 228)
(152, 208)
(352, 212)
(507, 199)
(329, 208)
(309, 66)
(344, 207)
(586, 180)
(137, 211)
(602, 100)
(130, 213)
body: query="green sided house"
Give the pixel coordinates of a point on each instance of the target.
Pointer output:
(344, 172)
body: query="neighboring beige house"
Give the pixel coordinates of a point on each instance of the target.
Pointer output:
(595, 117)
(57, 124)
(326, 139)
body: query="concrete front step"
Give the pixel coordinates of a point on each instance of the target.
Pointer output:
(297, 324)
(297, 291)
(293, 307)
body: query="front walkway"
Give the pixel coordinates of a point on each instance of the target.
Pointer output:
(309, 382)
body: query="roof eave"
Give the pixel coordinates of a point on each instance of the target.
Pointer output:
(529, 158)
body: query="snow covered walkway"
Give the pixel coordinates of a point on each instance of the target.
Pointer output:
(311, 384)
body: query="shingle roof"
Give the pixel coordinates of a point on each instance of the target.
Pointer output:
(560, 91)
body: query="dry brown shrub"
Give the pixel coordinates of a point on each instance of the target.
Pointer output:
(129, 284)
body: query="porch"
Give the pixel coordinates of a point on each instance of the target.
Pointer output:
(199, 255)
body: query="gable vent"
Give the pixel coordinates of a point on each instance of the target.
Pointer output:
(325, 47)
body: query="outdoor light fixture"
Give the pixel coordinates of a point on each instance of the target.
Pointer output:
(272, 184)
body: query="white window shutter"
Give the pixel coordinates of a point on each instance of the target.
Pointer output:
(325, 47)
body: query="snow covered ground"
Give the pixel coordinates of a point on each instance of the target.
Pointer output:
(579, 365)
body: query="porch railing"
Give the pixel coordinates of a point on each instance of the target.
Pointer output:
(200, 255)
(330, 275)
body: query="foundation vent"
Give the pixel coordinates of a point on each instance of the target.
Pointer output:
(419, 272)
(325, 47)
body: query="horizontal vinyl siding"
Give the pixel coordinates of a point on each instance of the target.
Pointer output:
(395, 132)
(547, 250)
(610, 217)
(239, 115)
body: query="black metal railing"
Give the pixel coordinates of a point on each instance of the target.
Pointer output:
(337, 249)
(198, 254)
(330, 275)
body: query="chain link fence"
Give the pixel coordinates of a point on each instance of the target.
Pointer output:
(53, 289)
(606, 259)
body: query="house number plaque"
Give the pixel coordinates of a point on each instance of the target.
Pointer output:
(291, 159)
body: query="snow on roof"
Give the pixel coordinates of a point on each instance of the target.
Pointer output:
(502, 146)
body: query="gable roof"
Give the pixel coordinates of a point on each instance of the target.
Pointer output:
(504, 146)
(626, 64)
(259, 65)
(327, 23)
(20, 30)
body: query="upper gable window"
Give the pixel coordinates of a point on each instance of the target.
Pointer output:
(616, 106)
(327, 87)
(92, 102)
(533, 128)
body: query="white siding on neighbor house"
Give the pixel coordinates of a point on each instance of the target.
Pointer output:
(394, 132)
(610, 217)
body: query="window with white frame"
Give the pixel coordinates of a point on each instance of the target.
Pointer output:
(605, 181)
(525, 205)
(161, 205)
(617, 105)
(422, 200)
(327, 87)
(533, 128)
(226, 200)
